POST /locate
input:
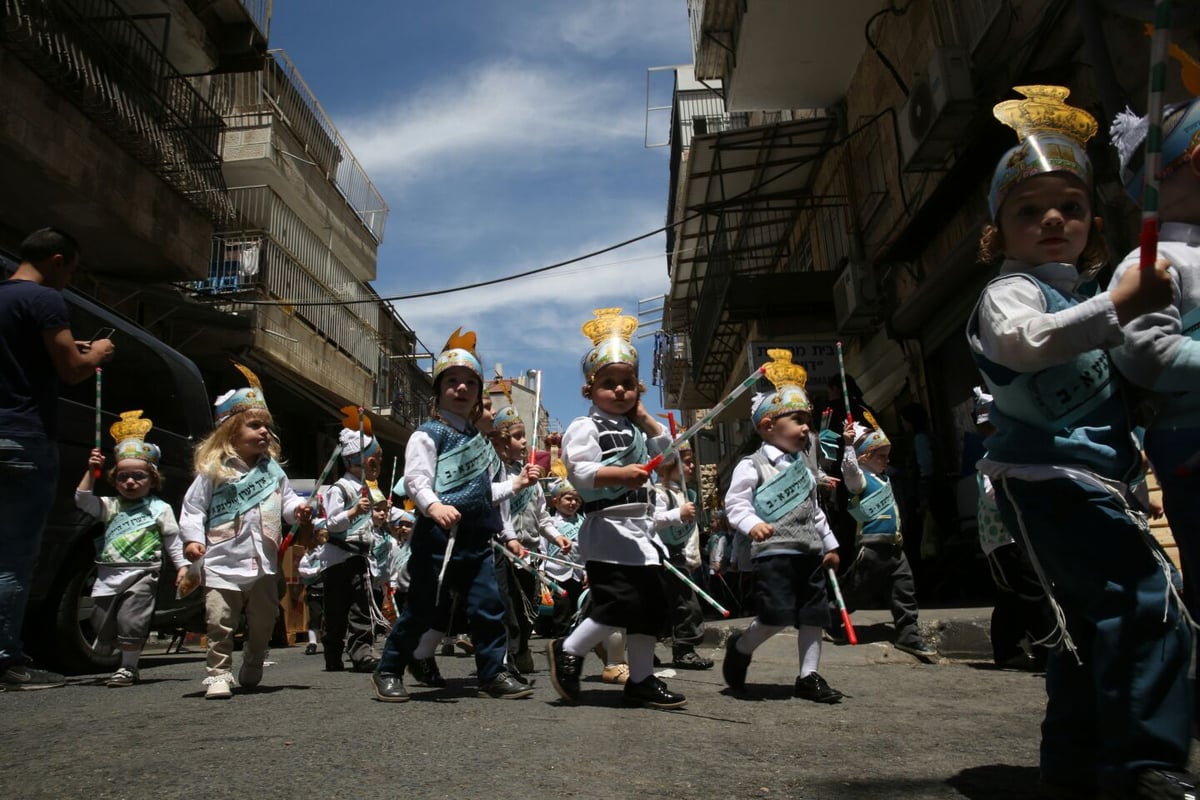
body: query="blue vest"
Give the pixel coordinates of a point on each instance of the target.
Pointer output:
(1070, 413)
(473, 499)
(621, 443)
(882, 524)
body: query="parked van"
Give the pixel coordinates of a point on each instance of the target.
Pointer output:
(145, 374)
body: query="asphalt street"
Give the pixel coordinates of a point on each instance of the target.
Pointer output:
(906, 730)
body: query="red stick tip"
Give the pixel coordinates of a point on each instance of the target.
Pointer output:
(726, 614)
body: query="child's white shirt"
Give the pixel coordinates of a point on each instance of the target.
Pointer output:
(110, 578)
(739, 499)
(238, 562)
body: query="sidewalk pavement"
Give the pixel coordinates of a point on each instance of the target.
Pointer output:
(958, 634)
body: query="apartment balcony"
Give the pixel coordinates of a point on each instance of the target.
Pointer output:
(95, 55)
(279, 135)
(779, 54)
(237, 29)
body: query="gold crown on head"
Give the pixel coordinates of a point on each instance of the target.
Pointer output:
(131, 426)
(1043, 111)
(609, 322)
(782, 372)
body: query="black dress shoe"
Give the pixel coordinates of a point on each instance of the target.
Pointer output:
(1167, 784)
(335, 666)
(735, 665)
(505, 687)
(368, 664)
(310, 650)
(651, 692)
(564, 671)
(690, 659)
(425, 670)
(389, 687)
(813, 687)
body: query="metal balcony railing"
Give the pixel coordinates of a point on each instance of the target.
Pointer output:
(700, 113)
(259, 12)
(97, 57)
(278, 92)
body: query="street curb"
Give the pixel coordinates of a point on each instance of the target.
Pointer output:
(957, 634)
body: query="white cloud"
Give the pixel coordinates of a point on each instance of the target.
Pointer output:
(502, 114)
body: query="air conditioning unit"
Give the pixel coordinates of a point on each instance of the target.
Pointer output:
(856, 300)
(937, 112)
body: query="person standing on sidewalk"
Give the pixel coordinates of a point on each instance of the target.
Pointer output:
(37, 351)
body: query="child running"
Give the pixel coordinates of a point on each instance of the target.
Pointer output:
(1119, 711)
(604, 453)
(231, 518)
(139, 528)
(448, 474)
(772, 500)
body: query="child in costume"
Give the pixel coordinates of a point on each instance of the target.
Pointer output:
(351, 529)
(532, 524)
(1161, 353)
(772, 500)
(880, 572)
(678, 530)
(231, 517)
(311, 568)
(1119, 711)
(568, 521)
(1021, 610)
(139, 528)
(402, 534)
(604, 453)
(448, 468)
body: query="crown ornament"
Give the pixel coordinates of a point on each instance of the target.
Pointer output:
(609, 323)
(782, 372)
(132, 425)
(1043, 111)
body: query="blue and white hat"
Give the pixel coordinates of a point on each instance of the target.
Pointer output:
(354, 449)
(236, 401)
(1053, 136)
(612, 341)
(506, 418)
(789, 395)
(1181, 133)
(130, 434)
(459, 351)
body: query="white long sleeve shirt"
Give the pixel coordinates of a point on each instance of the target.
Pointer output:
(622, 534)
(109, 578)
(240, 561)
(739, 499)
(420, 467)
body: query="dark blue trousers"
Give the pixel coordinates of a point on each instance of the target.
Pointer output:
(1129, 705)
(471, 574)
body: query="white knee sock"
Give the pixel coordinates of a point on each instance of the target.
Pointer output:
(640, 650)
(585, 637)
(614, 649)
(808, 641)
(428, 643)
(755, 635)
(312, 636)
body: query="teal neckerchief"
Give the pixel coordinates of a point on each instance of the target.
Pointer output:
(1190, 324)
(132, 535)
(783, 491)
(229, 500)
(463, 464)
(874, 505)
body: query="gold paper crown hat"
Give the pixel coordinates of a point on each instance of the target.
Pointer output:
(507, 416)
(129, 433)
(459, 351)
(1052, 138)
(611, 334)
(789, 396)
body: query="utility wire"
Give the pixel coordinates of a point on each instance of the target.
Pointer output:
(734, 200)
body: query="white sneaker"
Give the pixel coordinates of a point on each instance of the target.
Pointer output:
(219, 686)
(124, 676)
(250, 675)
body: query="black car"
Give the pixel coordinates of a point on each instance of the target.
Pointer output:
(148, 375)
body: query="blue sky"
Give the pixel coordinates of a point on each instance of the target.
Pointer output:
(504, 136)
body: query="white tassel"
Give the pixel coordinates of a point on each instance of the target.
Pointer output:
(1128, 131)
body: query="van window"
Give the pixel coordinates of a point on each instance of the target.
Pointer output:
(137, 377)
